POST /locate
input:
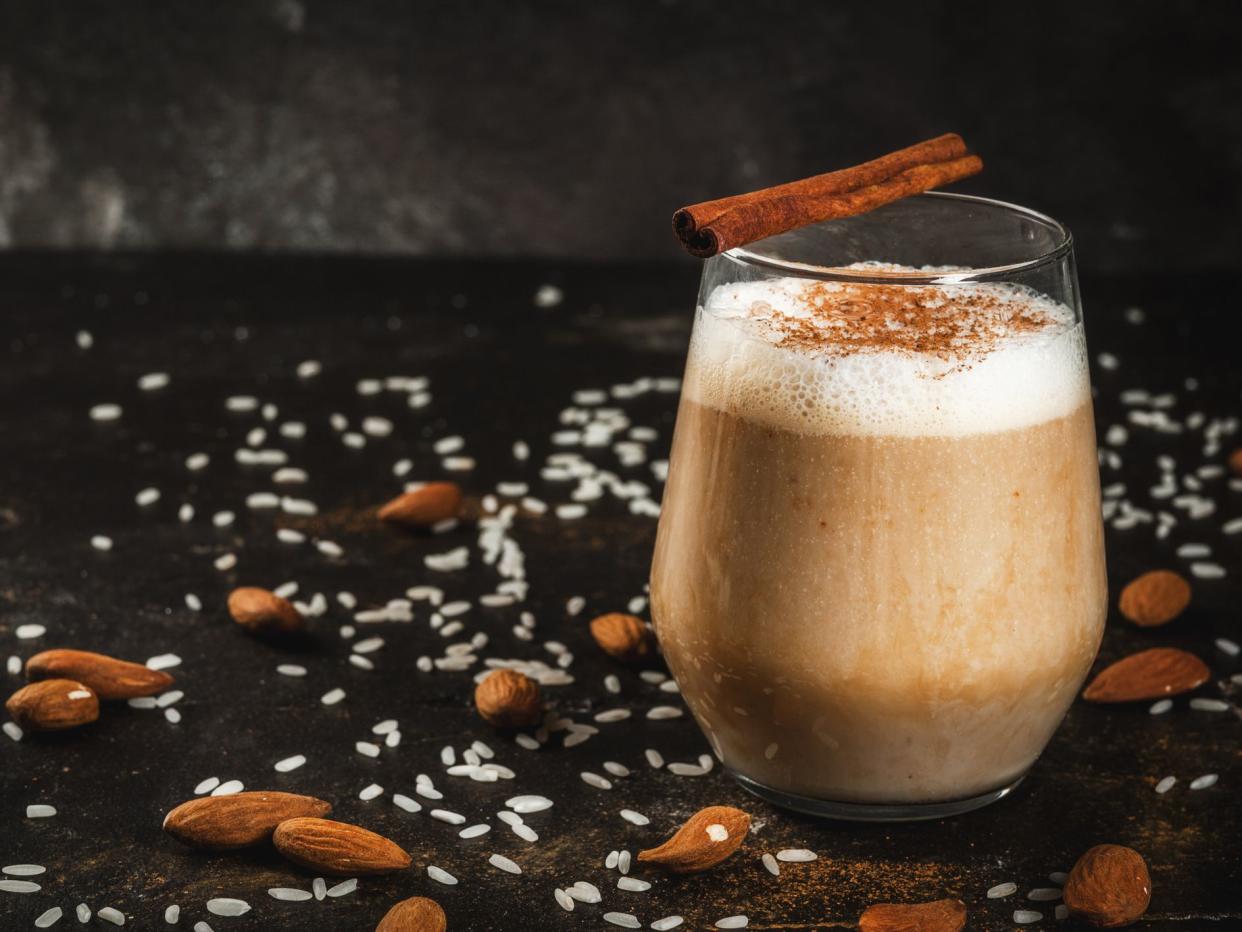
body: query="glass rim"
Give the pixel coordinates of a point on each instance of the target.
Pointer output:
(745, 255)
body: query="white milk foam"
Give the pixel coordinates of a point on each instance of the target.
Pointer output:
(1024, 378)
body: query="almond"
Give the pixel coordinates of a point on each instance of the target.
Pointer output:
(338, 848)
(263, 612)
(108, 677)
(1155, 598)
(1108, 887)
(427, 505)
(218, 823)
(1149, 674)
(53, 705)
(509, 699)
(417, 914)
(1235, 461)
(936, 916)
(700, 844)
(623, 636)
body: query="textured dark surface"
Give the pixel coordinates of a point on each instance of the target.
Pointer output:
(560, 128)
(500, 369)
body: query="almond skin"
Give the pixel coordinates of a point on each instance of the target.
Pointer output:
(220, 823)
(111, 679)
(692, 849)
(1154, 598)
(263, 612)
(936, 916)
(1149, 674)
(509, 699)
(53, 705)
(417, 914)
(1109, 887)
(623, 636)
(338, 848)
(427, 505)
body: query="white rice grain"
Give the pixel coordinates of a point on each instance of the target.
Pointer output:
(625, 920)
(344, 888)
(797, 856)
(662, 712)
(440, 876)
(634, 818)
(504, 864)
(227, 906)
(290, 894)
(1209, 705)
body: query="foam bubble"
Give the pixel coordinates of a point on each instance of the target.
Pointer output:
(743, 362)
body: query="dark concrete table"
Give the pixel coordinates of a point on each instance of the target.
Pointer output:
(501, 368)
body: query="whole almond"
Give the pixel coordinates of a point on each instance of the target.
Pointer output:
(509, 699)
(110, 678)
(1235, 461)
(417, 914)
(1108, 887)
(708, 837)
(427, 505)
(623, 636)
(1149, 674)
(936, 916)
(338, 848)
(218, 823)
(1154, 598)
(263, 612)
(53, 705)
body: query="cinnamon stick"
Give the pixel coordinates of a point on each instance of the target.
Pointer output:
(711, 227)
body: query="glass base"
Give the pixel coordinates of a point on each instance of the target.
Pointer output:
(874, 812)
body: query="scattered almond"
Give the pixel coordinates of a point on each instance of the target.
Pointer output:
(1235, 461)
(425, 506)
(417, 914)
(53, 705)
(263, 612)
(1149, 674)
(509, 699)
(694, 848)
(1108, 887)
(936, 916)
(218, 823)
(1154, 598)
(623, 636)
(109, 678)
(338, 848)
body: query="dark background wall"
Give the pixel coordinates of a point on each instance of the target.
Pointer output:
(575, 128)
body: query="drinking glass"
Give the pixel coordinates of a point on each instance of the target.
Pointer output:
(879, 570)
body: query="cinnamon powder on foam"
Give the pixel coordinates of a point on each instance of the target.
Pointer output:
(959, 324)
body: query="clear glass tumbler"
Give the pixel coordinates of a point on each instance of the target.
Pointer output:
(879, 571)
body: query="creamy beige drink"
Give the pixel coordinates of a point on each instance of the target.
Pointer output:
(879, 573)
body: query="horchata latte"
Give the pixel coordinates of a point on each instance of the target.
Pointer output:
(879, 572)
